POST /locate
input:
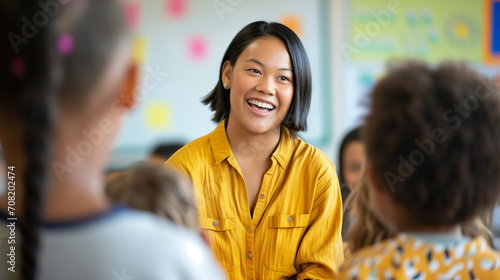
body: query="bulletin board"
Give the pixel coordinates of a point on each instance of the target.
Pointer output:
(380, 30)
(431, 30)
(181, 44)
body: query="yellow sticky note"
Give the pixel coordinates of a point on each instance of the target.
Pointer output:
(293, 22)
(158, 116)
(139, 51)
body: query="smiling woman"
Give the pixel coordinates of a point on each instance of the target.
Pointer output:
(261, 83)
(265, 215)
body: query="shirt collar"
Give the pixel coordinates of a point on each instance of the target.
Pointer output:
(219, 144)
(221, 150)
(283, 152)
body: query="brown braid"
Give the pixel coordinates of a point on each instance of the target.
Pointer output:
(38, 121)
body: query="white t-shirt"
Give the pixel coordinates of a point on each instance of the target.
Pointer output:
(122, 244)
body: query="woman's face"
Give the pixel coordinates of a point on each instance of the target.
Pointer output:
(261, 86)
(353, 163)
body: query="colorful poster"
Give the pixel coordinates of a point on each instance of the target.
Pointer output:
(427, 29)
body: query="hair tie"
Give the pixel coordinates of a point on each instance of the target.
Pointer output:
(18, 67)
(65, 44)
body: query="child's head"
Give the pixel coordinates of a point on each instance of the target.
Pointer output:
(63, 64)
(432, 137)
(352, 159)
(64, 57)
(294, 77)
(161, 153)
(158, 190)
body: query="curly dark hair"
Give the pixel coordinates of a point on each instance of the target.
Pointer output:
(432, 136)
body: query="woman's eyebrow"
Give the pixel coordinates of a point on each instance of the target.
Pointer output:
(255, 60)
(261, 64)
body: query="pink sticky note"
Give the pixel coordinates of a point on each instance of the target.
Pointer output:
(132, 13)
(176, 8)
(197, 47)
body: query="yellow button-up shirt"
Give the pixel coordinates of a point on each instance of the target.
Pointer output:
(297, 220)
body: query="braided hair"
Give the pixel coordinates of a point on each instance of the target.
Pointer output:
(35, 85)
(36, 79)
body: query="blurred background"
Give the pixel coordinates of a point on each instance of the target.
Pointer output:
(180, 44)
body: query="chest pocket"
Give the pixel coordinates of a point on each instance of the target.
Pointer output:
(221, 236)
(283, 240)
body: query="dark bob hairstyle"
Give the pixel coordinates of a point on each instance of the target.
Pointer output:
(296, 118)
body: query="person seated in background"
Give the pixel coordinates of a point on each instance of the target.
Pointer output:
(159, 155)
(162, 152)
(352, 164)
(352, 160)
(432, 138)
(159, 190)
(365, 229)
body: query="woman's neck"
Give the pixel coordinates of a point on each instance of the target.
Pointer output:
(245, 144)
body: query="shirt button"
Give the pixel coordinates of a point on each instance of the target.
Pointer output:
(289, 219)
(262, 195)
(216, 223)
(249, 229)
(250, 256)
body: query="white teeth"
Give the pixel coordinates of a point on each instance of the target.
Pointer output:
(261, 104)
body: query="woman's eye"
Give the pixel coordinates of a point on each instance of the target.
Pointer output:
(283, 78)
(254, 71)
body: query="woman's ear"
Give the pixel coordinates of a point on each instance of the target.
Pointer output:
(128, 94)
(227, 72)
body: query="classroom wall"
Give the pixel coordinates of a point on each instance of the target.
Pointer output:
(185, 41)
(181, 42)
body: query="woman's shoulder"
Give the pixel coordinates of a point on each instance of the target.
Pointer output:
(193, 150)
(197, 144)
(315, 157)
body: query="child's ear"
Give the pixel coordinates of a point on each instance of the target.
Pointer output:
(128, 93)
(227, 71)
